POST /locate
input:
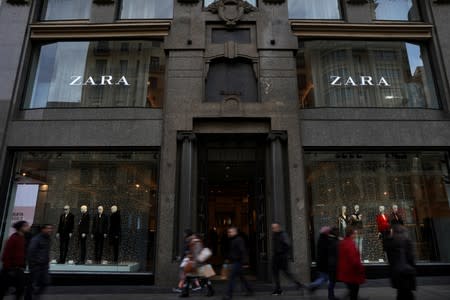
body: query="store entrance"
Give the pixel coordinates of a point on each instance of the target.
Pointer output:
(232, 194)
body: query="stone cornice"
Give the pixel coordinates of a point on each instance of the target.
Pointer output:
(72, 31)
(381, 31)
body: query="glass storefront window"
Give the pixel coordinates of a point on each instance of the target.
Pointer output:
(208, 2)
(124, 183)
(364, 74)
(146, 9)
(415, 185)
(66, 10)
(317, 9)
(395, 10)
(97, 74)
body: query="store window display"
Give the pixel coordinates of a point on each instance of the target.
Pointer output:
(382, 189)
(98, 183)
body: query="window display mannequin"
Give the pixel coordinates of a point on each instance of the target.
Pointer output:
(357, 223)
(343, 221)
(395, 217)
(83, 231)
(115, 231)
(383, 224)
(64, 233)
(99, 233)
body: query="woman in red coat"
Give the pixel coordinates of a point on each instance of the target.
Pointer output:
(349, 268)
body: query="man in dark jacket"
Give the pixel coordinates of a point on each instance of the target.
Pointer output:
(400, 253)
(39, 261)
(13, 260)
(281, 248)
(239, 258)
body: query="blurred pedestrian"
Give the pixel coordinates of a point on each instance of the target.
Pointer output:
(39, 261)
(239, 259)
(400, 253)
(327, 252)
(349, 268)
(281, 249)
(13, 260)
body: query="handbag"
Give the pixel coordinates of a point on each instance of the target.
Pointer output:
(206, 271)
(204, 255)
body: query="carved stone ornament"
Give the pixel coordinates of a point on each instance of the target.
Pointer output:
(103, 2)
(231, 11)
(274, 1)
(358, 1)
(188, 1)
(19, 2)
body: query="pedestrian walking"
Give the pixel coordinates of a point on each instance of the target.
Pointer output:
(238, 257)
(281, 249)
(400, 253)
(327, 251)
(349, 268)
(39, 262)
(13, 260)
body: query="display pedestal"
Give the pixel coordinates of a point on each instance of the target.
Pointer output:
(130, 267)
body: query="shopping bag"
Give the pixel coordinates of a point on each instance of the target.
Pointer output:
(225, 272)
(206, 271)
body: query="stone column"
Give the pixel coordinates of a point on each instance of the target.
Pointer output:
(185, 197)
(278, 177)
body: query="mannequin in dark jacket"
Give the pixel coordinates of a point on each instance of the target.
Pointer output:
(239, 258)
(99, 233)
(115, 231)
(281, 247)
(399, 249)
(65, 232)
(83, 232)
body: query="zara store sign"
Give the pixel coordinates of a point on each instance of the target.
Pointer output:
(100, 81)
(358, 81)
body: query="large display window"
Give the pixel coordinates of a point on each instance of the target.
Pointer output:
(97, 74)
(373, 191)
(317, 9)
(66, 10)
(395, 10)
(102, 204)
(146, 9)
(364, 74)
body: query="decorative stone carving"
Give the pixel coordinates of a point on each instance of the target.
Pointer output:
(103, 2)
(357, 1)
(274, 1)
(188, 1)
(231, 11)
(19, 2)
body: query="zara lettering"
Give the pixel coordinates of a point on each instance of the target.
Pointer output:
(361, 81)
(104, 80)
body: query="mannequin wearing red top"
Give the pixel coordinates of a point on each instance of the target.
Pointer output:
(383, 224)
(349, 268)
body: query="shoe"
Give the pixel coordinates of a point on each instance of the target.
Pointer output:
(277, 293)
(196, 289)
(210, 293)
(177, 290)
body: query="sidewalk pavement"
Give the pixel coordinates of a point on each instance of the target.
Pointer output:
(430, 288)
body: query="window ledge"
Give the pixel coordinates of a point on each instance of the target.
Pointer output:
(381, 31)
(77, 30)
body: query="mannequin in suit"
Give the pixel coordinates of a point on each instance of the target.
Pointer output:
(83, 231)
(64, 233)
(99, 233)
(356, 220)
(395, 217)
(115, 231)
(343, 221)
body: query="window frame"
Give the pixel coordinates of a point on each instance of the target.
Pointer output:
(341, 10)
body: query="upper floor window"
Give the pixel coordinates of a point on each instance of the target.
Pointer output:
(364, 74)
(97, 74)
(66, 10)
(208, 2)
(317, 9)
(395, 10)
(146, 9)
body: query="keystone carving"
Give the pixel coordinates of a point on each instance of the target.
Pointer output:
(231, 11)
